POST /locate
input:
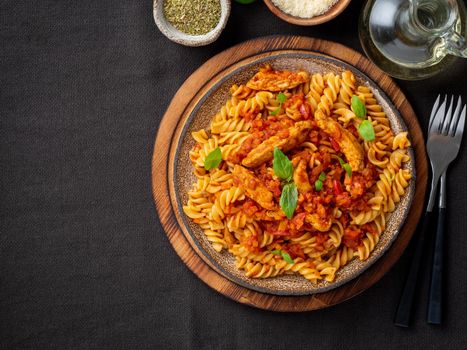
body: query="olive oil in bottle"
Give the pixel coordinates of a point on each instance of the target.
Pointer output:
(413, 39)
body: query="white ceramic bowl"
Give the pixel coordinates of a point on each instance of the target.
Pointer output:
(186, 39)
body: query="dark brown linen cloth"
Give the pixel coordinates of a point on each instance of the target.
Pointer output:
(84, 262)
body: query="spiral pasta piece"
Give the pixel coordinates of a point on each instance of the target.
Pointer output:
(368, 245)
(330, 93)
(344, 114)
(377, 153)
(304, 268)
(237, 221)
(342, 257)
(362, 218)
(233, 124)
(241, 92)
(336, 233)
(223, 114)
(217, 239)
(347, 89)
(250, 106)
(397, 159)
(258, 270)
(317, 86)
(400, 141)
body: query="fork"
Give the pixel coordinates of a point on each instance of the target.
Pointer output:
(451, 129)
(444, 139)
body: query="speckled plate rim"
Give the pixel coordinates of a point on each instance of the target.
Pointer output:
(221, 78)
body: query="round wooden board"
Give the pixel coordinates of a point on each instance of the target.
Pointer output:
(184, 100)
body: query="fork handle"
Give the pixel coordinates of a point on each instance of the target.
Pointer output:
(404, 310)
(436, 286)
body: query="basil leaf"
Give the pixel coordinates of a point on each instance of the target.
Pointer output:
(345, 166)
(288, 200)
(318, 185)
(282, 165)
(276, 111)
(281, 97)
(287, 257)
(213, 159)
(322, 176)
(366, 131)
(358, 107)
(284, 255)
(347, 169)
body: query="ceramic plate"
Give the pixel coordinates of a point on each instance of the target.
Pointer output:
(200, 117)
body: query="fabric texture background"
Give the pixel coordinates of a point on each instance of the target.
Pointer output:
(84, 261)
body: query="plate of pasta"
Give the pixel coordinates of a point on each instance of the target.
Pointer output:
(292, 174)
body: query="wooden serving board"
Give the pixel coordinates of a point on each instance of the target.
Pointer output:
(184, 100)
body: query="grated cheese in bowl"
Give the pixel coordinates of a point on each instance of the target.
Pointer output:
(304, 8)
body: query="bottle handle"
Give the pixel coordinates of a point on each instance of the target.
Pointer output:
(455, 44)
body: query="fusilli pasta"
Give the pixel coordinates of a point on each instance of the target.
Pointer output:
(346, 186)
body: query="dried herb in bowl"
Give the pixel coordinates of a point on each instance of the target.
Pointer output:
(194, 17)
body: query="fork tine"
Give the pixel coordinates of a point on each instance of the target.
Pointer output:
(455, 117)
(448, 118)
(460, 125)
(438, 118)
(433, 111)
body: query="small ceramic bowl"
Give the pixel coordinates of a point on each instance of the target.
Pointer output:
(336, 9)
(186, 39)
